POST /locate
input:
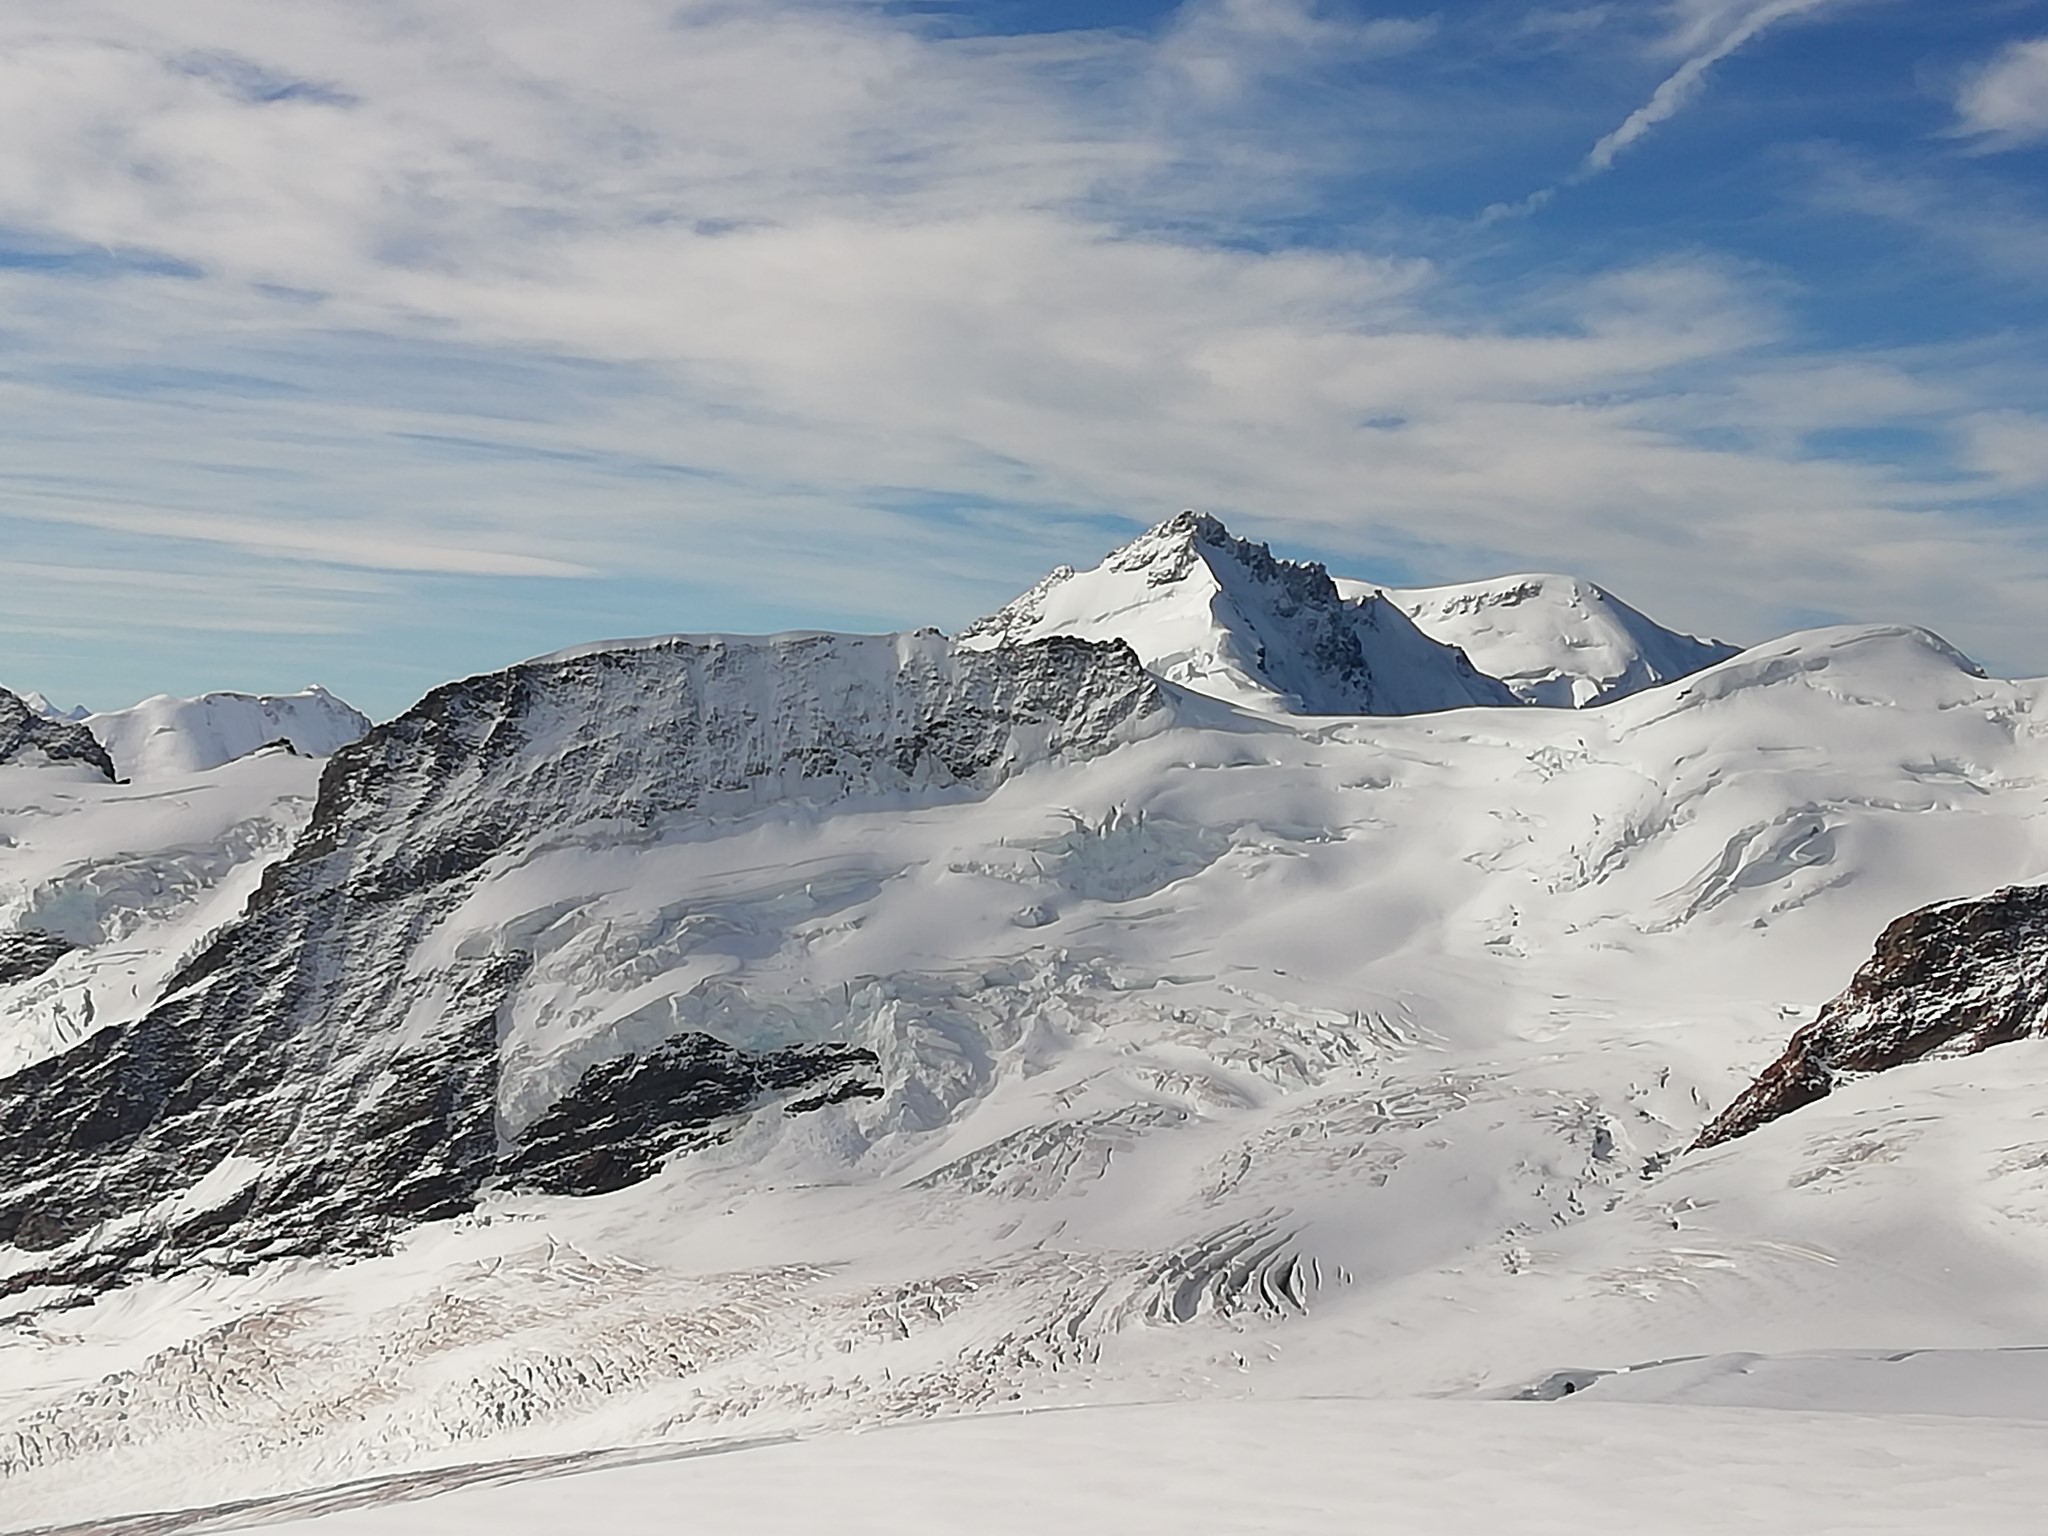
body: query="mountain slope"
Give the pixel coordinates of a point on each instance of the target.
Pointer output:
(164, 737)
(1553, 640)
(107, 889)
(324, 1072)
(1220, 615)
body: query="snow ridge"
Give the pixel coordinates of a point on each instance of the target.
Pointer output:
(1555, 641)
(165, 737)
(42, 704)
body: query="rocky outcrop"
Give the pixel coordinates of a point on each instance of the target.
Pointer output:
(627, 1117)
(1947, 980)
(29, 953)
(318, 1077)
(27, 735)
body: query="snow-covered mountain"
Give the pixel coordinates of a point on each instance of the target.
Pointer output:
(165, 737)
(739, 1037)
(703, 1041)
(397, 1070)
(1553, 640)
(1219, 615)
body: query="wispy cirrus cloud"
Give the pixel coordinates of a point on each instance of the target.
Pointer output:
(1220, 49)
(775, 312)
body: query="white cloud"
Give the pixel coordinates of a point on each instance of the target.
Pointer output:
(2007, 100)
(2009, 446)
(1974, 218)
(728, 295)
(1700, 34)
(1220, 49)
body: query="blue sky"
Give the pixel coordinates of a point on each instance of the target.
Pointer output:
(372, 342)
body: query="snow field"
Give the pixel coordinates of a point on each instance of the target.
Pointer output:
(1455, 1469)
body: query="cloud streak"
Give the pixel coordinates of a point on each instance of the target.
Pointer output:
(1715, 31)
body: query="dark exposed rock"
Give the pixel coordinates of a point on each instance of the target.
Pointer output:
(30, 953)
(329, 1091)
(624, 1118)
(845, 1092)
(1947, 980)
(24, 733)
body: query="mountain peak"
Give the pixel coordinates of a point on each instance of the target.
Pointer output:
(1221, 615)
(42, 704)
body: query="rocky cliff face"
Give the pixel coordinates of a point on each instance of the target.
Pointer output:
(315, 1081)
(26, 735)
(1948, 980)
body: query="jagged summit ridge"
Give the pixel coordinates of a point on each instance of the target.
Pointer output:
(44, 705)
(1222, 615)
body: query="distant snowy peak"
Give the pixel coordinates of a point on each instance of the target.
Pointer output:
(41, 704)
(164, 737)
(27, 736)
(1220, 615)
(1553, 640)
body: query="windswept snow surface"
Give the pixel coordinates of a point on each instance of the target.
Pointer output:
(1219, 615)
(1261, 1056)
(167, 738)
(1554, 640)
